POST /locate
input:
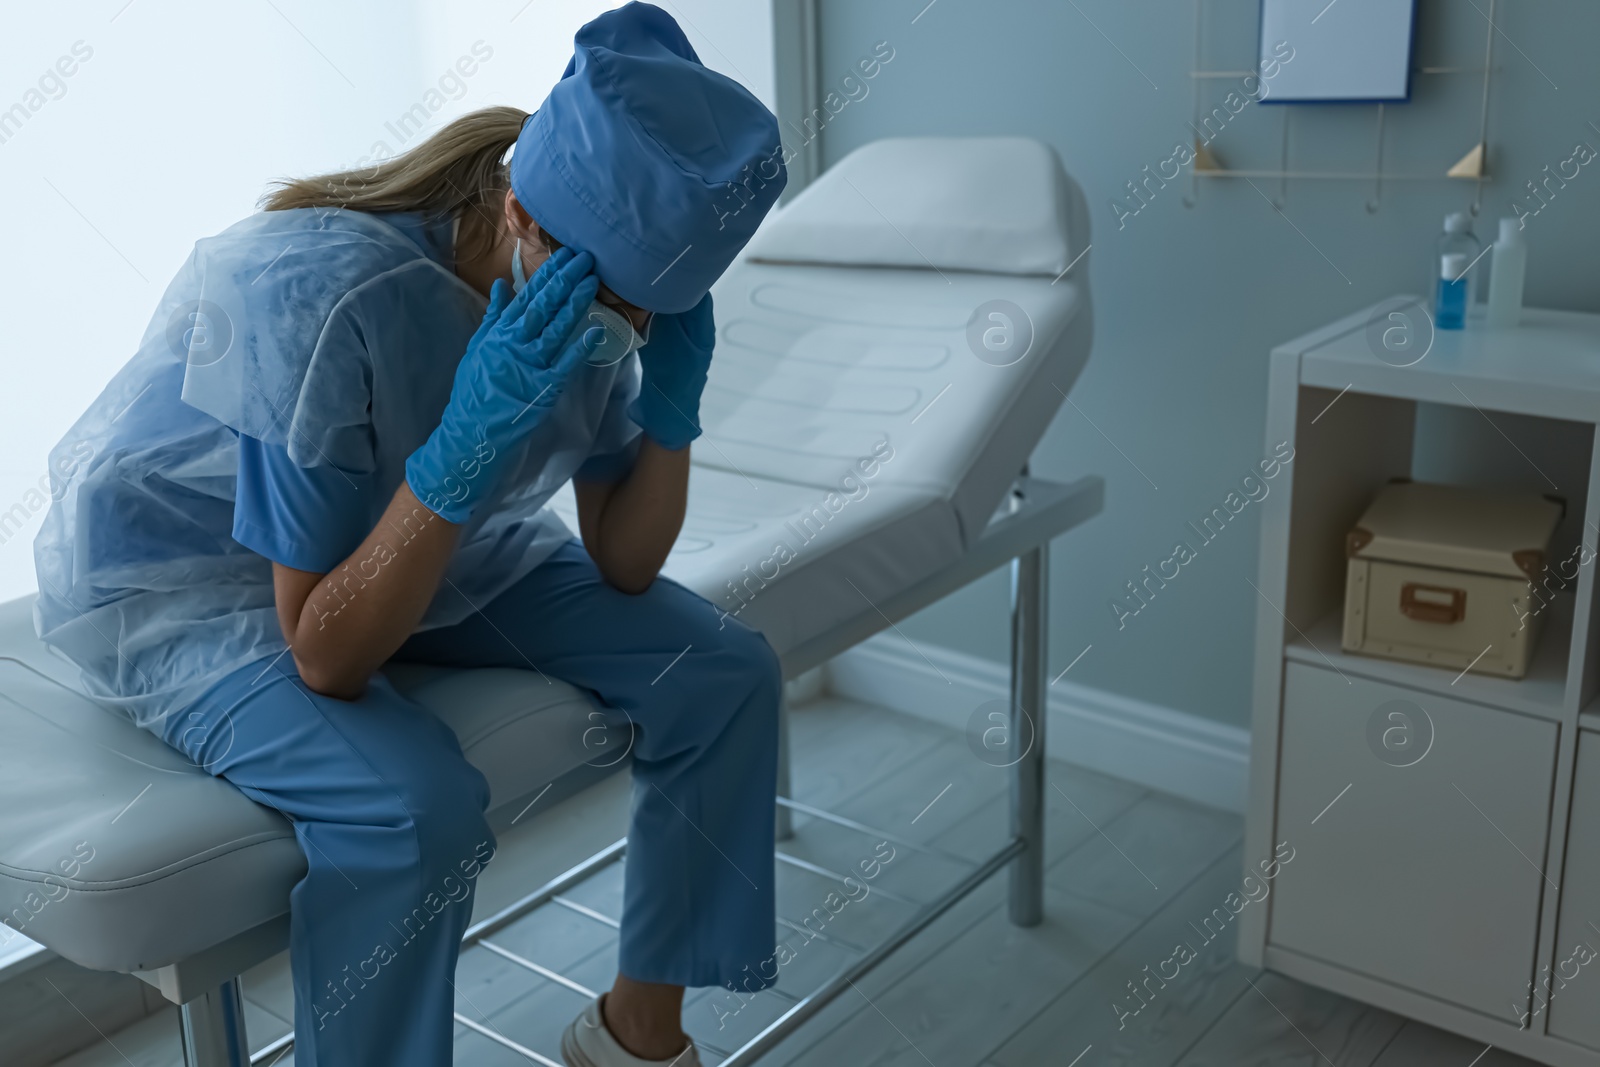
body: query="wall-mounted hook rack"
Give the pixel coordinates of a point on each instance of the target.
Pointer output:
(1473, 166)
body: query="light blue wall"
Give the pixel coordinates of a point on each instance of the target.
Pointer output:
(1190, 300)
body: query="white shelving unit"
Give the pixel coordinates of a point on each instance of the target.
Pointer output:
(1453, 884)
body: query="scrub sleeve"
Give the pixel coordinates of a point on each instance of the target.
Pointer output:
(307, 518)
(616, 442)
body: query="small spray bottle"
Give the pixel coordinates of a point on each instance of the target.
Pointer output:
(1458, 250)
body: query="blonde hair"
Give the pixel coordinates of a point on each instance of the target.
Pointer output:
(459, 171)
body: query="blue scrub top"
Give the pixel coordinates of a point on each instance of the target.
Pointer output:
(313, 518)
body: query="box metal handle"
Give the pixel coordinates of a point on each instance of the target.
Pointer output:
(1432, 603)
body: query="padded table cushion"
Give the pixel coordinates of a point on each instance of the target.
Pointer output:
(816, 365)
(773, 555)
(181, 860)
(854, 444)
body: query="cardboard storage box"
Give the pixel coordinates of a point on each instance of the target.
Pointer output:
(1443, 575)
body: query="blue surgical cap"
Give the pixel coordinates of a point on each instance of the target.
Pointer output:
(658, 167)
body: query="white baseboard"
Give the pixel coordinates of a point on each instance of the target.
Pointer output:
(1173, 751)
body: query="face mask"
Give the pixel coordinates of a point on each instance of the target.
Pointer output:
(620, 336)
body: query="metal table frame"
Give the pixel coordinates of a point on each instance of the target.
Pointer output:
(1034, 512)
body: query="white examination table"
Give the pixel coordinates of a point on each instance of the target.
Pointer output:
(849, 322)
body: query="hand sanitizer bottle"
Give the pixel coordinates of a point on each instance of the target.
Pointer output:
(1458, 250)
(1509, 268)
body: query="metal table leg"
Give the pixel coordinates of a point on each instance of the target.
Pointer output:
(212, 1027)
(1030, 577)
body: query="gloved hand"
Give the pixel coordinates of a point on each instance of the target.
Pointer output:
(513, 373)
(674, 364)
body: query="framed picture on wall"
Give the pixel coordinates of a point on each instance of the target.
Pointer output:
(1337, 51)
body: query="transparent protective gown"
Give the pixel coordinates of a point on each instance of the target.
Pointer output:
(335, 334)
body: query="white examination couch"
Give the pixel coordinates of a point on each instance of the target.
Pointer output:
(861, 314)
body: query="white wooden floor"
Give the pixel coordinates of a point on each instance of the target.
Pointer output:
(1129, 870)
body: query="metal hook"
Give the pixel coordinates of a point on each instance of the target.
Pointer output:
(1377, 170)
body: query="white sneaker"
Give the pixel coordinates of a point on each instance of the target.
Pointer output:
(587, 1043)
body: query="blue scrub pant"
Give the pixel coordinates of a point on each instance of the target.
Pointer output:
(390, 815)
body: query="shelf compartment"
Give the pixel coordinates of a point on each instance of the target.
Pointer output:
(1396, 863)
(1572, 1001)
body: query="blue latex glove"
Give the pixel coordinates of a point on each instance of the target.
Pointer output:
(674, 365)
(513, 373)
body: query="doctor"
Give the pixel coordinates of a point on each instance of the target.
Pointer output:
(327, 455)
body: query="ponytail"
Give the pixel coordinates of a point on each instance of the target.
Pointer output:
(459, 171)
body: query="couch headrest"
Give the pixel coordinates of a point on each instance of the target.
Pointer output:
(1001, 205)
